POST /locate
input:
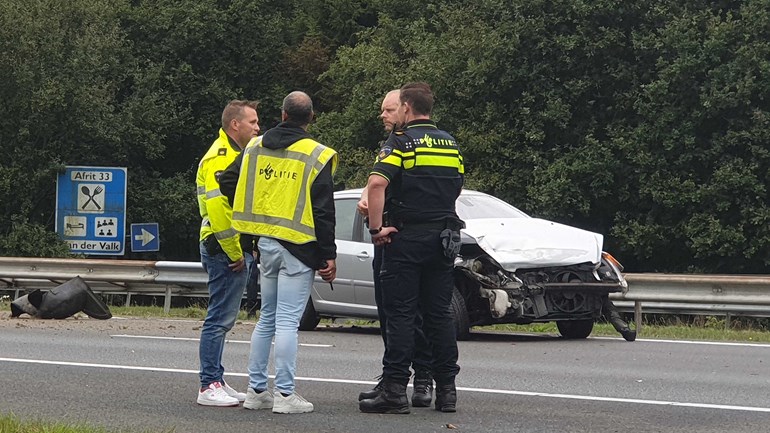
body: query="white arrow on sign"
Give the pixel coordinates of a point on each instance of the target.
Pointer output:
(146, 237)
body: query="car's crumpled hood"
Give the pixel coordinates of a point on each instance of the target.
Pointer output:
(523, 243)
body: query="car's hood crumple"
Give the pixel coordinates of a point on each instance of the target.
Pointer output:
(525, 243)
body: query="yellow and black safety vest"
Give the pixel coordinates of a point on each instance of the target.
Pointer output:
(272, 198)
(214, 207)
(425, 171)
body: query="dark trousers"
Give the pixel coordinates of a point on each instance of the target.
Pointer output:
(252, 288)
(416, 278)
(422, 356)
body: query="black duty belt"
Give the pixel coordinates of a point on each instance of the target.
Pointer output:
(446, 223)
(425, 225)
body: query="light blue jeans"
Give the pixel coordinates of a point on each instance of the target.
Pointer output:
(225, 293)
(286, 284)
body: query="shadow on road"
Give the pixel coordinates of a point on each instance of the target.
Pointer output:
(476, 335)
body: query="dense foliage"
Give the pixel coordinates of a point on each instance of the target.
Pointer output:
(647, 121)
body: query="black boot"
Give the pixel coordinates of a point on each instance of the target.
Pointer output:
(392, 399)
(446, 397)
(371, 394)
(423, 389)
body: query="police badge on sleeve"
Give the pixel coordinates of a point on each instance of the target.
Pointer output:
(384, 152)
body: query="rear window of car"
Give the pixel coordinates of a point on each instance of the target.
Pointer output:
(470, 207)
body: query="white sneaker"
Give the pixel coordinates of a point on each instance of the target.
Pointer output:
(241, 396)
(294, 403)
(215, 395)
(254, 400)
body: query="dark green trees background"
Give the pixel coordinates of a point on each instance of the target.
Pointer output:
(646, 121)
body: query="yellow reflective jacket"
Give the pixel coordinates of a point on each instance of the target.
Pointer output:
(214, 207)
(272, 197)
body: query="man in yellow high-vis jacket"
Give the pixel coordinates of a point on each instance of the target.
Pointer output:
(224, 253)
(283, 192)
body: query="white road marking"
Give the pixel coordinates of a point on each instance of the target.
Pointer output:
(705, 343)
(154, 337)
(364, 382)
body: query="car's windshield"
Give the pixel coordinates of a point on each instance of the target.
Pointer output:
(479, 206)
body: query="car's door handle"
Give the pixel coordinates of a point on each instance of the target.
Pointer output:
(363, 255)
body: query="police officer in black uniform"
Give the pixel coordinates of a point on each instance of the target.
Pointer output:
(421, 361)
(422, 169)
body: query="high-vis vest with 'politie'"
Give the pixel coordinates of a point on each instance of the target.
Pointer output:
(214, 207)
(272, 198)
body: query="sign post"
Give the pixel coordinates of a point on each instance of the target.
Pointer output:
(91, 209)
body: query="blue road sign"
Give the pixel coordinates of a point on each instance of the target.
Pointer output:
(91, 209)
(144, 237)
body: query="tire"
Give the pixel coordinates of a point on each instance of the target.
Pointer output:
(309, 319)
(459, 313)
(575, 329)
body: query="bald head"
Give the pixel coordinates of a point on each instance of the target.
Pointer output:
(297, 108)
(389, 114)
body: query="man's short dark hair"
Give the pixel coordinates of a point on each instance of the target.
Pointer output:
(419, 96)
(234, 110)
(298, 108)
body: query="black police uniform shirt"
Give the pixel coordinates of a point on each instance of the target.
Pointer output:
(424, 168)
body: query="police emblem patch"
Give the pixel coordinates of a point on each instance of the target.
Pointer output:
(384, 152)
(217, 175)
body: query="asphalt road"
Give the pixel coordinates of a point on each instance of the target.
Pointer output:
(142, 375)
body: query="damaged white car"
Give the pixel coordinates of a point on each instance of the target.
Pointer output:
(511, 269)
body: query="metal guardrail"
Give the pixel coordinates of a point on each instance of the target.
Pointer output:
(124, 277)
(747, 295)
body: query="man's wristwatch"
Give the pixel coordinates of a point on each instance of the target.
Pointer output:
(375, 231)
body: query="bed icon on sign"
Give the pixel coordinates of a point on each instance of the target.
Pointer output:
(74, 226)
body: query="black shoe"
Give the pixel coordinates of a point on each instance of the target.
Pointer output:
(371, 394)
(392, 399)
(628, 334)
(446, 398)
(423, 389)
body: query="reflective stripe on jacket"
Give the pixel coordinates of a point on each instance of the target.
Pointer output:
(273, 194)
(214, 207)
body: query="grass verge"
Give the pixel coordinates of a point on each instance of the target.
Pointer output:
(708, 328)
(9, 423)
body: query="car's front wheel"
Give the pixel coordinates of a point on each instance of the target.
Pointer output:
(575, 329)
(459, 313)
(309, 319)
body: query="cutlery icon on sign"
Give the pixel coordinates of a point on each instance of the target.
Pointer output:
(85, 190)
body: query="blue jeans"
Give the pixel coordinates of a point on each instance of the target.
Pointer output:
(286, 284)
(225, 293)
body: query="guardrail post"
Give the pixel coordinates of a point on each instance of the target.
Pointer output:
(727, 320)
(167, 300)
(128, 299)
(638, 316)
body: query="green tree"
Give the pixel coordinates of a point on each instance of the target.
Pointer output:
(62, 65)
(699, 153)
